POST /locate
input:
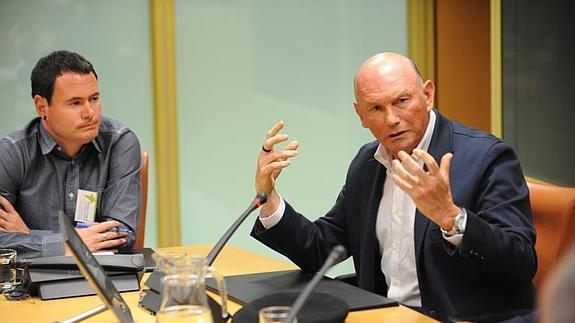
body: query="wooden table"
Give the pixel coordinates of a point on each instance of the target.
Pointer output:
(231, 261)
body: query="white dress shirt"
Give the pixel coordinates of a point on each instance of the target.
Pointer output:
(395, 230)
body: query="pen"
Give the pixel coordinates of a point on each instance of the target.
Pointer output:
(83, 225)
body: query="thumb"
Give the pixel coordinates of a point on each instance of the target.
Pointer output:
(445, 164)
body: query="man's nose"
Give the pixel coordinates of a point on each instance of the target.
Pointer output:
(88, 111)
(392, 118)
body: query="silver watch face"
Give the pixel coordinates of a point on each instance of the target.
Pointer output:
(458, 225)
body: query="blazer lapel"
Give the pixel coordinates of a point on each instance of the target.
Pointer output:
(372, 191)
(441, 143)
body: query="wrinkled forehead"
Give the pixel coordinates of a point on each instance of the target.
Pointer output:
(386, 79)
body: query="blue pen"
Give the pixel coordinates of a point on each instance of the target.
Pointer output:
(83, 225)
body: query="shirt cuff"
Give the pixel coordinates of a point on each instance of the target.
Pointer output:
(52, 245)
(455, 239)
(270, 220)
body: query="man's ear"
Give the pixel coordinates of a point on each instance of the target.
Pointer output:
(359, 114)
(429, 92)
(41, 105)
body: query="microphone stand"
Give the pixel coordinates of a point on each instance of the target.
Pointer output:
(257, 201)
(335, 255)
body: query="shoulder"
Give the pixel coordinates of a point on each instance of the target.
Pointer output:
(109, 126)
(23, 139)
(471, 139)
(367, 150)
(112, 131)
(362, 157)
(475, 149)
(466, 133)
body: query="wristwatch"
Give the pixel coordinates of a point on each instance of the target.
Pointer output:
(458, 227)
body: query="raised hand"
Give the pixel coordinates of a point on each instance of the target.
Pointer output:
(271, 162)
(430, 190)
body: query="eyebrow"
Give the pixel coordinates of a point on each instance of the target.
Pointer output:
(80, 98)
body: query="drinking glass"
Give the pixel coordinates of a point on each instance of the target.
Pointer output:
(274, 314)
(7, 269)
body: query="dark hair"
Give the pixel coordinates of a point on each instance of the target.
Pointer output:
(53, 65)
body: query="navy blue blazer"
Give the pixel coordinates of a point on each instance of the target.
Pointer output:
(490, 271)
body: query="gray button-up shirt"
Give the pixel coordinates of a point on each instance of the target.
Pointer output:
(39, 179)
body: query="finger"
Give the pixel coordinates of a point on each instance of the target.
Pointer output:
(293, 145)
(445, 165)
(282, 155)
(429, 161)
(275, 129)
(398, 169)
(278, 165)
(272, 141)
(103, 226)
(401, 183)
(6, 205)
(111, 244)
(115, 235)
(410, 164)
(276, 156)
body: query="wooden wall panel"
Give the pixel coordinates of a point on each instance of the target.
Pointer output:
(463, 61)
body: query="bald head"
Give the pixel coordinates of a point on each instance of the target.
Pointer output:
(383, 65)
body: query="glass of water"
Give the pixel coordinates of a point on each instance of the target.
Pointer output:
(274, 314)
(7, 269)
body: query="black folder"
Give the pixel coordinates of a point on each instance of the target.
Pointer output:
(132, 262)
(60, 277)
(247, 288)
(80, 287)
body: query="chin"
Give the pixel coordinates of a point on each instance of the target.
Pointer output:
(90, 136)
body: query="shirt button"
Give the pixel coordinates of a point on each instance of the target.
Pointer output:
(71, 195)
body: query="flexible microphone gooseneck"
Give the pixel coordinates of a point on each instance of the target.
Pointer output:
(256, 203)
(336, 254)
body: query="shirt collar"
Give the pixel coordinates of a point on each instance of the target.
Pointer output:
(382, 156)
(47, 143)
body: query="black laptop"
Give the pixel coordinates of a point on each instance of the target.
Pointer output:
(95, 275)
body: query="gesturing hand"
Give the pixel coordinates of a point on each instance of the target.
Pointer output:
(10, 220)
(271, 162)
(430, 190)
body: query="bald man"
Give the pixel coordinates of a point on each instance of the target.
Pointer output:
(435, 215)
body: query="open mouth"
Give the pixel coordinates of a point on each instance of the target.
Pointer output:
(396, 134)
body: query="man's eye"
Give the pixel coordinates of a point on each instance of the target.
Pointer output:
(75, 103)
(376, 108)
(94, 99)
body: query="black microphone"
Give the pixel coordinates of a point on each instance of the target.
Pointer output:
(336, 254)
(256, 203)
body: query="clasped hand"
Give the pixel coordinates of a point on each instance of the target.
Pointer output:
(97, 237)
(100, 237)
(430, 190)
(10, 220)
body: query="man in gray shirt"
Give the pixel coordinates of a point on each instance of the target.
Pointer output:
(68, 159)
